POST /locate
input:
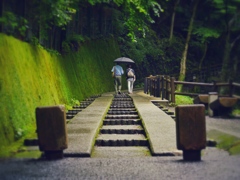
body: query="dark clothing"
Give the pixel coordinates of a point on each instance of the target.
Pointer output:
(127, 77)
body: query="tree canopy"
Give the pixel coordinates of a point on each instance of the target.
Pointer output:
(156, 34)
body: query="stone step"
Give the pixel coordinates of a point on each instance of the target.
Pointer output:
(122, 109)
(165, 109)
(74, 111)
(69, 116)
(121, 96)
(122, 121)
(78, 107)
(120, 152)
(121, 112)
(121, 117)
(122, 106)
(122, 102)
(122, 129)
(122, 99)
(121, 140)
(169, 112)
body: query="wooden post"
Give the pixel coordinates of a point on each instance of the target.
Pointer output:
(148, 85)
(145, 85)
(191, 131)
(162, 88)
(215, 89)
(230, 88)
(51, 130)
(154, 86)
(167, 88)
(172, 86)
(158, 87)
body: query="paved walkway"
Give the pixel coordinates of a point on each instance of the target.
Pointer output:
(216, 164)
(159, 127)
(83, 128)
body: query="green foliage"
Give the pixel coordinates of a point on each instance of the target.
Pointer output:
(182, 100)
(73, 43)
(137, 14)
(32, 77)
(56, 12)
(75, 102)
(14, 25)
(236, 109)
(205, 33)
(225, 141)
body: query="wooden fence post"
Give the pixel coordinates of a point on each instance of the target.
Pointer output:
(215, 89)
(146, 86)
(150, 85)
(158, 87)
(155, 86)
(172, 86)
(162, 88)
(167, 88)
(230, 88)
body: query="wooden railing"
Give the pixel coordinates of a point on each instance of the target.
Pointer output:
(165, 87)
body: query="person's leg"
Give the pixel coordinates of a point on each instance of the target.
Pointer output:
(116, 85)
(129, 86)
(119, 83)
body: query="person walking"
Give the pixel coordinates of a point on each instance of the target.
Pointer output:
(131, 78)
(117, 71)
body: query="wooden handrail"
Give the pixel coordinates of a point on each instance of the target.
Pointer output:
(193, 83)
(164, 86)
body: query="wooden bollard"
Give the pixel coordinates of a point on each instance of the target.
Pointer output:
(191, 130)
(51, 130)
(223, 105)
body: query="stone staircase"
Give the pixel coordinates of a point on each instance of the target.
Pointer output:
(78, 108)
(122, 126)
(164, 109)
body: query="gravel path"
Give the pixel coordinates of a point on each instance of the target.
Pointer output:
(226, 125)
(216, 164)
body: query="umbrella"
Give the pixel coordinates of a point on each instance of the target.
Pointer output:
(123, 60)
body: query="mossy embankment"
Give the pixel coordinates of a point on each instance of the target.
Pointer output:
(31, 77)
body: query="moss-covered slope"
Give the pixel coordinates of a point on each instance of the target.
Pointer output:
(32, 77)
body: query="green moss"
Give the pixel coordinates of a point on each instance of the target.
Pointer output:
(31, 77)
(182, 100)
(236, 111)
(225, 141)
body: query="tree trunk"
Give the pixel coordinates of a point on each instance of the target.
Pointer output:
(203, 57)
(185, 51)
(173, 20)
(228, 47)
(226, 59)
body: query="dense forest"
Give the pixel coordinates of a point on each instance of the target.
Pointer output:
(176, 37)
(49, 49)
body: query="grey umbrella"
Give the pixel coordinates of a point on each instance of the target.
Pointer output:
(123, 60)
